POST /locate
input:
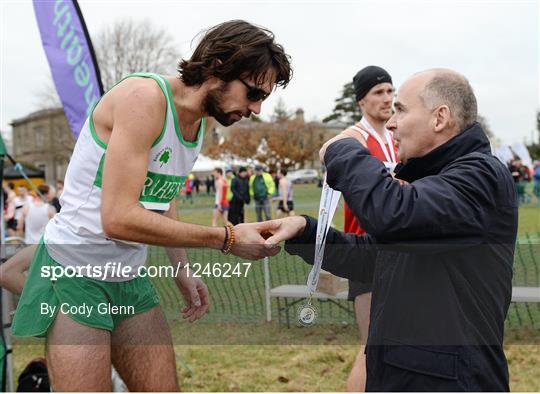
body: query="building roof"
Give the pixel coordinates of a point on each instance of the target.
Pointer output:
(43, 113)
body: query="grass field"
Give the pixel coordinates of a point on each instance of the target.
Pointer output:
(285, 367)
(225, 352)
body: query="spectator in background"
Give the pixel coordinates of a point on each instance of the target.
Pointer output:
(189, 189)
(528, 175)
(59, 187)
(208, 184)
(285, 204)
(24, 197)
(9, 210)
(196, 184)
(221, 207)
(275, 177)
(537, 180)
(240, 192)
(522, 176)
(21, 200)
(261, 189)
(512, 167)
(5, 191)
(35, 216)
(52, 197)
(229, 176)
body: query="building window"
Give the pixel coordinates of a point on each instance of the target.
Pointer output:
(16, 145)
(39, 137)
(59, 134)
(22, 141)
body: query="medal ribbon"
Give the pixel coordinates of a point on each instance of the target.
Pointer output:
(327, 208)
(387, 149)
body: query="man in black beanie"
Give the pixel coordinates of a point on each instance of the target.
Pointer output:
(374, 93)
(367, 78)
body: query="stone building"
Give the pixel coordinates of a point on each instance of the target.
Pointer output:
(44, 140)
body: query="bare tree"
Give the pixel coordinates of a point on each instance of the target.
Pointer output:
(281, 112)
(47, 96)
(125, 47)
(133, 46)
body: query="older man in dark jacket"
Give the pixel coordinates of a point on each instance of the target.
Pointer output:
(440, 242)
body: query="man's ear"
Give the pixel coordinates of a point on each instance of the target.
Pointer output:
(215, 64)
(443, 118)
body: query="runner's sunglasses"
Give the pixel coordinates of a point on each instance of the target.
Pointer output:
(254, 94)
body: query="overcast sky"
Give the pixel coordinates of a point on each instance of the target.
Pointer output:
(495, 44)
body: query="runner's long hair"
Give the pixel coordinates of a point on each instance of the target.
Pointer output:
(236, 49)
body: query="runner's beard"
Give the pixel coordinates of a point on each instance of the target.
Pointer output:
(212, 105)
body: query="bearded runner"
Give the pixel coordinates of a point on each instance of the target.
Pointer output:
(132, 157)
(76, 238)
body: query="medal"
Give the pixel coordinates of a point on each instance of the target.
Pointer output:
(307, 313)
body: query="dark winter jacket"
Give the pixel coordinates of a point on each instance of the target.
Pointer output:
(240, 189)
(439, 251)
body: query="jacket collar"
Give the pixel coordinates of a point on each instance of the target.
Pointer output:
(472, 139)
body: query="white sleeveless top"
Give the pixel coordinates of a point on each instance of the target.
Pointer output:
(35, 222)
(75, 236)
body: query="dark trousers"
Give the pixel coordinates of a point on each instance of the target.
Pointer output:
(236, 211)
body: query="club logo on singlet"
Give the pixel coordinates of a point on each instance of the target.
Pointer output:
(163, 156)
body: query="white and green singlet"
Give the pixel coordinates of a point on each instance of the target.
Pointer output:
(75, 236)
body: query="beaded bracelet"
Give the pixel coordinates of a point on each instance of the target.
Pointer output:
(226, 240)
(229, 239)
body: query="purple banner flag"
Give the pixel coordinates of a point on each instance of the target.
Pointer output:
(71, 57)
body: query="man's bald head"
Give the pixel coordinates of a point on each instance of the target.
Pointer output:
(431, 107)
(450, 88)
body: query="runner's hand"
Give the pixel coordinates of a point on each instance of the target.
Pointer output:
(250, 240)
(195, 294)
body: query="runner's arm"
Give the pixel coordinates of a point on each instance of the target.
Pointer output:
(138, 115)
(176, 255)
(194, 291)
(12, 272)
